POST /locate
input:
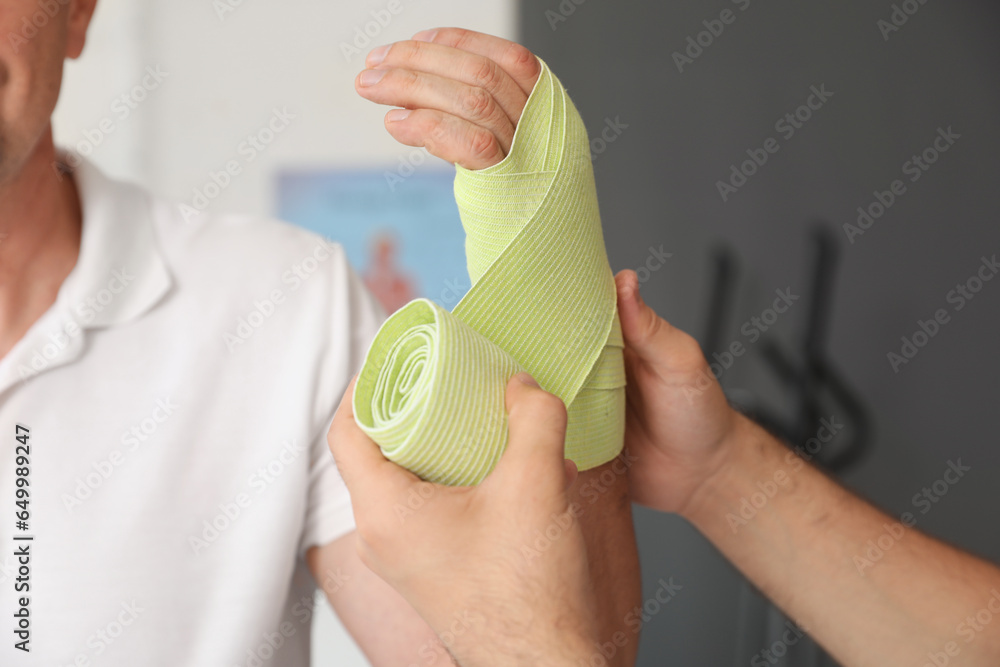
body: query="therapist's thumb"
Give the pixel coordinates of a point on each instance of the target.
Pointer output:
(534, 457)
(654, 340)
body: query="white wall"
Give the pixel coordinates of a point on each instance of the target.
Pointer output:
(223, 78)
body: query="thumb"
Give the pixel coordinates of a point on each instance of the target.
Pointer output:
(649, 336)
(537, 438)
(367, 474)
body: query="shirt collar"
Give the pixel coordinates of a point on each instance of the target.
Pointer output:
(120, 272)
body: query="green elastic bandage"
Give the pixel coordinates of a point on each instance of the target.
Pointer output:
(431, 391)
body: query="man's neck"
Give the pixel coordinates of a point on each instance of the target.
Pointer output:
(40, 225)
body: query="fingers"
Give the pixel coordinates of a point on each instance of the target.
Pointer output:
(537, 427)
(649, 336)
(520, 63)
(419, 90)
(445, 136)
(444, 61)
(367, 474)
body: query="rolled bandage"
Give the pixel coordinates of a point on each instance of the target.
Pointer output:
(431, 390)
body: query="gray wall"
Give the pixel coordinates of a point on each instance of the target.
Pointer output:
(657, 184)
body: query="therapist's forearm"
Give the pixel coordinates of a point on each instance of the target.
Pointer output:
(813, 548)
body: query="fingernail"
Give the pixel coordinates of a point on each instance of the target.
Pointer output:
(396, 115)
(425, 36)
(377, 55)
(524, 378)
(371, 76)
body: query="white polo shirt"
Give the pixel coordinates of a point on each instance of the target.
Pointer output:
(178, 396)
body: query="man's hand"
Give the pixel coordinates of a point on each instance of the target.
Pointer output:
(807, 548)
(461, 92)
(463, 556)
(679, 425)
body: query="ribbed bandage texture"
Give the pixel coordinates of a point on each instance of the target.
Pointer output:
(431, 391)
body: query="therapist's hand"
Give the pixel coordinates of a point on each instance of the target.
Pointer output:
(461, 92)
(471, 560)
(679, 424)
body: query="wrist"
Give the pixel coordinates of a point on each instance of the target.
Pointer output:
(739, 453)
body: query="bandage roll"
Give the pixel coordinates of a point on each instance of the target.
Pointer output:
(431, 394)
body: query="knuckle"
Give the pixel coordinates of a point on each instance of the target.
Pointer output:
(477, 104)
(435, 134)
(483, 144)
(550, 406)
(689, 354)
(486, 74)
(522, 61)
(407, 79)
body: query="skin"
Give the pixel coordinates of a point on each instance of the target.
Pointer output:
(460, 95)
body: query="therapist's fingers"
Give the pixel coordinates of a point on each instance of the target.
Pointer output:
(533, 462)
(369, 476)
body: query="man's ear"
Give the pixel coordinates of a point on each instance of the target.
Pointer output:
(80, 12)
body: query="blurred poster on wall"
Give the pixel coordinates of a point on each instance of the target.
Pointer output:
(402, 235)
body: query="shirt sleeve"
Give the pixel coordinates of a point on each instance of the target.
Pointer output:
(354, 319)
